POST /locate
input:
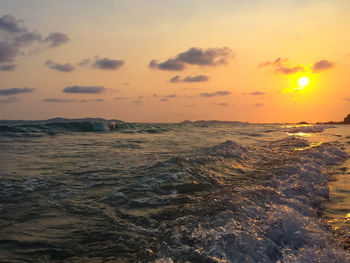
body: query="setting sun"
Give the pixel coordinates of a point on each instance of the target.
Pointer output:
(303, 82)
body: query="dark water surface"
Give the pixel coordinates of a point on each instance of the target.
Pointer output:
(174, 193)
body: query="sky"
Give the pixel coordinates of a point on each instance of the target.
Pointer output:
(169, 61)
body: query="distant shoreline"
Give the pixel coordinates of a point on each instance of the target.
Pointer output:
(199, 122)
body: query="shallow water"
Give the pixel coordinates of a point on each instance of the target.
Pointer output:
(174, 193)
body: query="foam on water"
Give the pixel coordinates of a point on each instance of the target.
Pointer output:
(274, 218)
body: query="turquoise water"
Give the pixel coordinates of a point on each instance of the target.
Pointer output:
(102, 192)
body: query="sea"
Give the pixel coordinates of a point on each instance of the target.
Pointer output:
(111, 191)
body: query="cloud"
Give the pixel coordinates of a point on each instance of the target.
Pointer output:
(137, 102)
(279, 66)
(26, 39)
(15, 91)
(84, 89)
(108, 64)
(16, 39)
(9, 100)
(194, 56)
(214, 94)
(56, 39)
(257, 93)
(175, 79)
(8, 52)
(223, 104)
(276, 62)
(170, 64)
(84, 62)
(120, 98)
(57, 100)
(289, 70)
(102, 63)
(10, 24)
(92, 100)
(347, 99)
(322, 65)
(258, 105)
(208, 57)
(9, 67)
(171, 96)
(60, 67)
(198, 78)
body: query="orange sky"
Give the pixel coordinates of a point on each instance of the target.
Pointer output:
(234, 61)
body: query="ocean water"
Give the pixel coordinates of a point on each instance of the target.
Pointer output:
(124, 192)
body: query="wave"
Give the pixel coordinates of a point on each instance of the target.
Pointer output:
(307, 128)
(225, 203)
(37, 129)
(231, 203)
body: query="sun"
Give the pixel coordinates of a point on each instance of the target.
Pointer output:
(303, 82)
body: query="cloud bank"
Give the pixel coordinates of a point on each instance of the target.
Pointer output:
(194, 56)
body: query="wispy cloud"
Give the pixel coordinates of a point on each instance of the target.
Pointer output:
(279, 66)
(257, 93)
(102, 63)
(198, 78)
(58, 100)
(194, 56)
(85, 89)
(60, 67)
(171, 96)
(214, 94)
(223, 104)
(93, 100)
(15, 91)
(258, 105)
(137, 102)
(175, 79)
(8, 67)
(120, 98)
(9, 100)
